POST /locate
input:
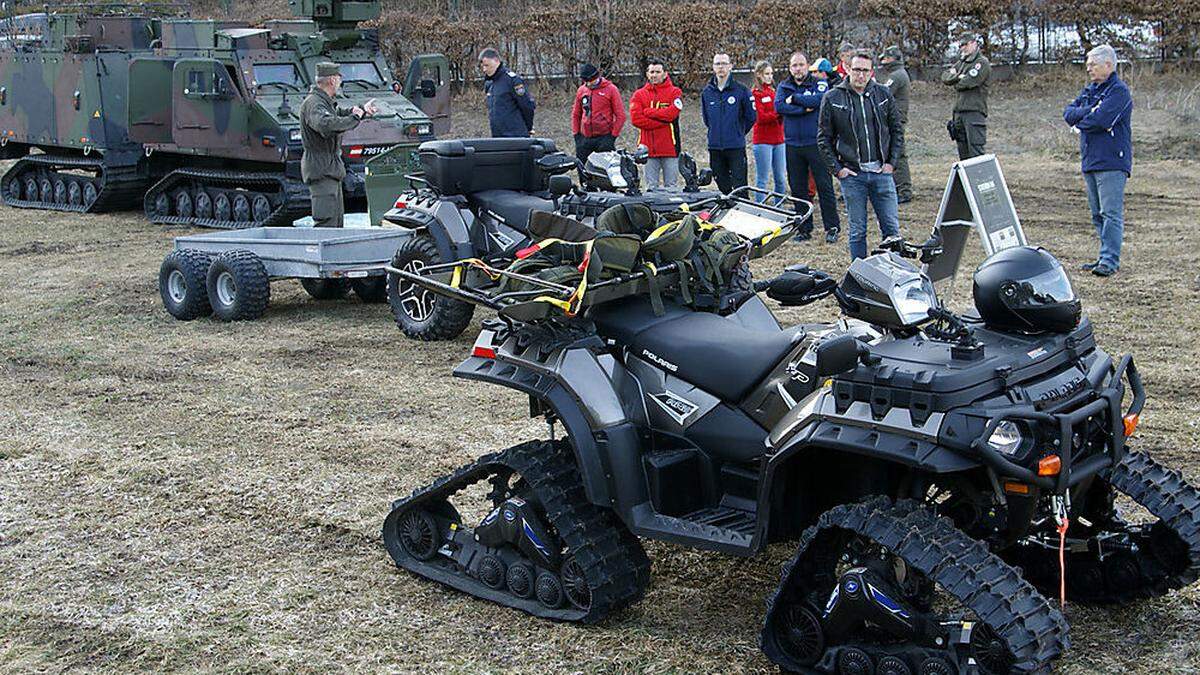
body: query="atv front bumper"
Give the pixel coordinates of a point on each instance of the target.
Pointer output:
(1066, 434)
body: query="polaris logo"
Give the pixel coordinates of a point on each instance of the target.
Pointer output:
(676, 406)
(659, 360)
(1062, 391)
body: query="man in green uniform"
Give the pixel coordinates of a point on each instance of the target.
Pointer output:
(322, 123)
(969, 76)
(893, 75)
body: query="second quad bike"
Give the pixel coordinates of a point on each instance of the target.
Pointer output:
(943, 475)
(475, 201)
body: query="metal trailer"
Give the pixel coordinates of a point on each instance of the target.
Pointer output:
(227, 274)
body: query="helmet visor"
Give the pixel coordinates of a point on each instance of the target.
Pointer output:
(1048, 288)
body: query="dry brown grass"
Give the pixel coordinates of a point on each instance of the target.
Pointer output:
(193, 496)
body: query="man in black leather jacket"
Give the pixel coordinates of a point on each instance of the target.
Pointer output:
(861, 138)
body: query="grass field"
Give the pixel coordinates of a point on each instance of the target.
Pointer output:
(190, 496)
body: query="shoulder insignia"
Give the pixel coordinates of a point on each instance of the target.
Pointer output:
(822, 85)
(679, 103)
(519, 88)
(889, 83)
(974, 70)
(512, 74)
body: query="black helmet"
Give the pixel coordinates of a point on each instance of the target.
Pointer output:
(1025, 289)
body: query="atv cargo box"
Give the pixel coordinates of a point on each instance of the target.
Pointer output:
(459, 167)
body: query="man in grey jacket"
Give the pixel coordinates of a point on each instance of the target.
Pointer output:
(894, 76)
(322, 123)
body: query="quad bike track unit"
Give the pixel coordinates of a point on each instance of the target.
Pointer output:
(604, 567)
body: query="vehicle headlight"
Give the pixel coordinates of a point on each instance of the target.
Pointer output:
(1006, 438)
(913, 301)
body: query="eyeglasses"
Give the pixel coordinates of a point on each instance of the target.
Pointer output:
(860, 70)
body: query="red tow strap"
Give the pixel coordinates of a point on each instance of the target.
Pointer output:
(1062, 562)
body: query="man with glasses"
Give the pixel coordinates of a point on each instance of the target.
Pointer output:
(728, 111)
(861, 139)
(969, 76)
(1102, 115)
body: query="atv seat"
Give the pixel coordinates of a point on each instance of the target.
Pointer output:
(514, 207)
(715, 353)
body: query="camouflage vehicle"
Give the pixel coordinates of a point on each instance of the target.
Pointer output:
(198, 118)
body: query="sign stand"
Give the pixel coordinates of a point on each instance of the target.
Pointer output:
(976, 197)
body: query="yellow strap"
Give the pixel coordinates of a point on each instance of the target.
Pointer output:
(571, 305)
(774, 233)
(661, 230)
(456, 279)
(652, 268)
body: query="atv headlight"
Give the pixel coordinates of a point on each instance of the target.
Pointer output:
(1006, 438)
(913, 299)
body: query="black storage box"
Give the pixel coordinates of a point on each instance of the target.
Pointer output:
(463, 166)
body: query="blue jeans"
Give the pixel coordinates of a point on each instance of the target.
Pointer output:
(1106, 197)
(770, 160)
(880, 189)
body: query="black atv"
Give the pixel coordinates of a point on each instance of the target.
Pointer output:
(476, 200)
(938, 473)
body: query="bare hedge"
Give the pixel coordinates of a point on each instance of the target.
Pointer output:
(546, 39)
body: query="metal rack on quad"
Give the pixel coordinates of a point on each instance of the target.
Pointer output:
(948, 481)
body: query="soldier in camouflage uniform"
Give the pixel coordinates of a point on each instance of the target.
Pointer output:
(893, 75)
(969, 76)
(322, 123)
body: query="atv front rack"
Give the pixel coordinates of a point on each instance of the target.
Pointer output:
(1067, 428)
(476, 280)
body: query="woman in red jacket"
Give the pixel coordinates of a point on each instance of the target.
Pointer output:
(770, 153)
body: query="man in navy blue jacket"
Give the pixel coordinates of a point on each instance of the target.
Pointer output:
(1102, 115)
(728, 111)
(797, 100)
(509, 103)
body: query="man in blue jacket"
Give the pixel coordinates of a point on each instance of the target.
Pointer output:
(509, 103)
(1102, 116)
(728, 111)
(797, 100)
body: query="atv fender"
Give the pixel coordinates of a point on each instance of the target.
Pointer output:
(911, 451)
(443, 223)
(605, 442)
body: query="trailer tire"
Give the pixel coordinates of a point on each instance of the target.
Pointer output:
(421, 314)
(326, 289)
(238, 286)
(372, 290)
(183, 285)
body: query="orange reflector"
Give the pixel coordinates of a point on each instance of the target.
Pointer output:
(1131, 422)
(484, 352)
(1049, 465)
(1016, 488)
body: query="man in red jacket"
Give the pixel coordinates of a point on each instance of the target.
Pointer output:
(598, 114)
(654, 110)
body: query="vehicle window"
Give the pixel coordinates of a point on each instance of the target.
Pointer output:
(365, 71)
(277, 73)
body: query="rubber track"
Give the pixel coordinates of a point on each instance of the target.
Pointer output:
(296, 201)
(1034, 630)
(611, 557)
(1176, 504)
(120, 186)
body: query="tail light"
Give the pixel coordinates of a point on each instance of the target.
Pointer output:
(355, 152)
(400, 203)
(484, 348)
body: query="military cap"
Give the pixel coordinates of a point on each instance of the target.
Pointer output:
(328, 69)
(892, 52)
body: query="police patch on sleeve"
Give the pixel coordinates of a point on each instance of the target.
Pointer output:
(822, 85)
(974, 70)
(679, 103)
(519, 87)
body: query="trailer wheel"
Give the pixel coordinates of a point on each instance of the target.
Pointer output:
(326, 289)
(238, 286)
(182, 283)
(422, 314)
(372, 290)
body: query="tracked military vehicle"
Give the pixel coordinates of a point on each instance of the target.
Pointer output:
(195, 119)
(948, 479)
